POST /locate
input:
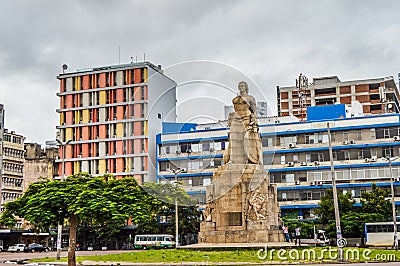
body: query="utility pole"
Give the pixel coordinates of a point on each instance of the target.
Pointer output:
(395, 241)
(176, 172)
(59, 227)
(339, 240)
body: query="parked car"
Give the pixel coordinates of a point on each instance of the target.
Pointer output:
(36, 248)
(16, 248)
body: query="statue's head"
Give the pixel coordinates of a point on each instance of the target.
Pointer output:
(243, 87)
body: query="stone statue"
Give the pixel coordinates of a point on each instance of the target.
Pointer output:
(244, 140)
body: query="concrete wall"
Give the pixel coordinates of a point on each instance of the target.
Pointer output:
(162, 100)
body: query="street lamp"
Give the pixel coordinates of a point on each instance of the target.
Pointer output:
(176, 172)
(339, 238)
(390, 160)
(59, 227)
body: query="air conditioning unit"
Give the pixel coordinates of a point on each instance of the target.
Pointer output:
(79, 156)
(312, 183)
(367, 160)
(142, 151)
(300, 217)
(396, 138)
(345, 142)
(178, 152)
(352, 142)
(297, 182)
(189, 151)
(316, 163)
(320, 183)
(373, 159)
(397, 179)
(183, 170)
(303, 163)
(290, 164)
(212, 149)
(292, 145)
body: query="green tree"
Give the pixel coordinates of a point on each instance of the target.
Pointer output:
(352, 223)
(82, 198)
(374, 208)
(375, 201)
(189, 215)
(326, 212)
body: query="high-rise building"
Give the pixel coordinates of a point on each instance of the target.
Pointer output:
(2, 111)
(295, 155)
(109, 117)
(13, 166)
(377, 96)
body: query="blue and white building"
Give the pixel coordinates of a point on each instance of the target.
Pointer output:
(295, 155)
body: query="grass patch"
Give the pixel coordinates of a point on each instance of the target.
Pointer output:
(241, 255)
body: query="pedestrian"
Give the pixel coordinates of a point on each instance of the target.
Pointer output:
(286, 233)
(297, 232)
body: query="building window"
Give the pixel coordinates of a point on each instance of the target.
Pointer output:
(114, 78)
(97, 80)
(107, 79)
(90, 81)
(387, 152)
(142, 92)
(7, 138)
(359, 135)
(141, 75)
(345, 136)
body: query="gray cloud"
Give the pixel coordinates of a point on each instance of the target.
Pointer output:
(271, 42)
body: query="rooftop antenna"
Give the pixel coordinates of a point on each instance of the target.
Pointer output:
(144, 57)
(64, 67)
(132, 59)
(302, 87)
(136, 59)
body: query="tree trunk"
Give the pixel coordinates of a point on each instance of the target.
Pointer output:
(72, 241)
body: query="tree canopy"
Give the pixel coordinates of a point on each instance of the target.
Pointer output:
(81, 198)
(91, 199)
(374, 207)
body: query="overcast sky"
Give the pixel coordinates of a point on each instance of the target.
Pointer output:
(268, 42)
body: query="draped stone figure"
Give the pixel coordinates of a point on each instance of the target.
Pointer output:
(244, 140)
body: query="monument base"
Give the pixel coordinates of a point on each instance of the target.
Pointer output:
(241, 207)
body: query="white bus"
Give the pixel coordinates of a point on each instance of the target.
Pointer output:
(380, 234)
(154, 241)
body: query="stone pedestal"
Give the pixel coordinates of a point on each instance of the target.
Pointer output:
(241, 207)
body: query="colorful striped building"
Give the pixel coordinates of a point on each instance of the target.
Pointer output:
(109, 117)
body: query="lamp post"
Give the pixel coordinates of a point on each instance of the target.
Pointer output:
(395, 241)
(176, 172)
(339, 238)
(59, 227)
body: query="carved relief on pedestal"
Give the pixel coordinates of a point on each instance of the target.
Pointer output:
(257, 202)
